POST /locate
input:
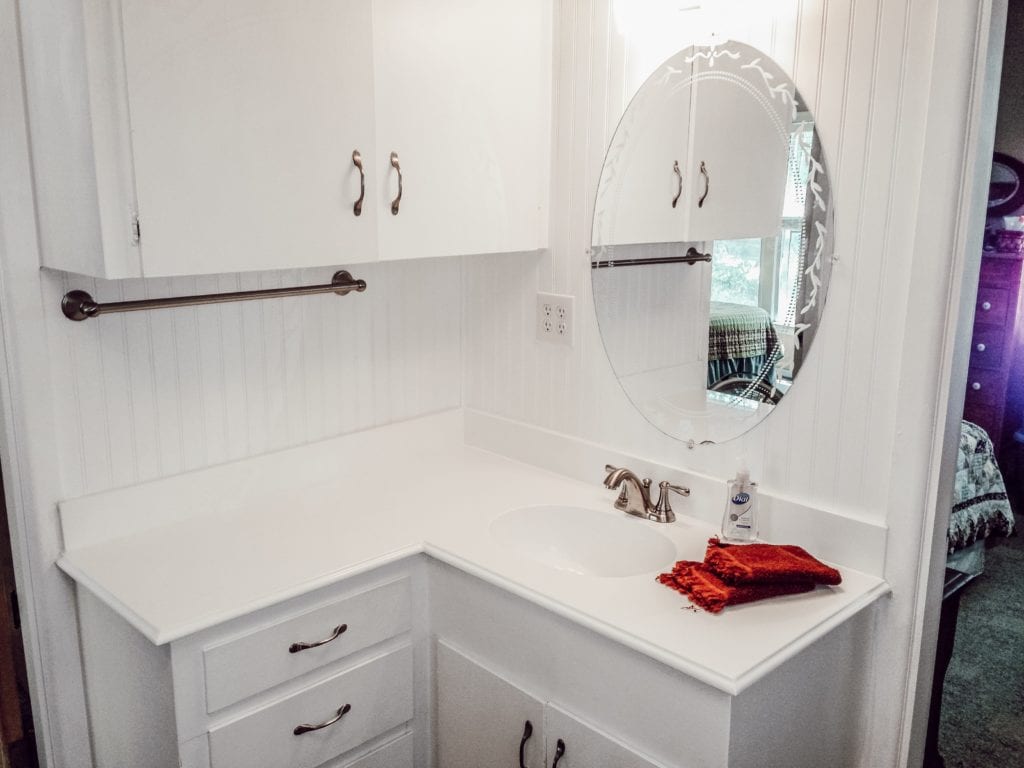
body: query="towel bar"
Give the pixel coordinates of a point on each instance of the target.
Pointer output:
(692, 257)
(79, 305)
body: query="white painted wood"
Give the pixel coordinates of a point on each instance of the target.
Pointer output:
(481, 716)
(586, 746)
(463, 98)
(379, 692)
(244, 118)
(395, 754)
(128, 687)
(241, 666)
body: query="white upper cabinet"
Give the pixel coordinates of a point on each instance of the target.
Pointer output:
(193, 136)
(463, 99)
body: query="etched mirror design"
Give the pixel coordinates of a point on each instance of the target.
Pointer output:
(712, 242)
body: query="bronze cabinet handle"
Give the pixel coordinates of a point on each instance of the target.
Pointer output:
(337, 632)
(679, 182)
(398, 200)
(357, 161)
(707, 184)
(306, 727)
(527, 733)
(559, 751)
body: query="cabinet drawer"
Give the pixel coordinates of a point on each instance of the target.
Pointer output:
(998, 271)
(254, 662)
(985, 387)
(395, 754)
(988, 347)
(992, 305)
(378, 692)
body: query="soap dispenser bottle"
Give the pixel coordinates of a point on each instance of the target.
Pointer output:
(739, 523)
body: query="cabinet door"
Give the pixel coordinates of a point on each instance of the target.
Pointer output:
(481, 716)
(742, 143)
(646, 172)
(463, 99)
(244, 118)
(585, 746)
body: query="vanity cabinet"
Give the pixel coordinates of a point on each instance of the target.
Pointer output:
(328, 678)
(196, 138)
(482, 722)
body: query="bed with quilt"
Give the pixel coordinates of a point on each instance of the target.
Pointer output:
(980, 506)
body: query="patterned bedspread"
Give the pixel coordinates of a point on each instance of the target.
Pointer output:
(738, 330)
(980, 507)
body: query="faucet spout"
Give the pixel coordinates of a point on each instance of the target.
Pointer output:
(634, 494)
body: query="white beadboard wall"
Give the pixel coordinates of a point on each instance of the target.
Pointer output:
(830, 441)
(149, 394)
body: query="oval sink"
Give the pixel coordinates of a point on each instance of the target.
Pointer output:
(587, 542)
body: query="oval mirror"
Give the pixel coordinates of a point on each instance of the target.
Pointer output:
(712, 242)
(1006, 185)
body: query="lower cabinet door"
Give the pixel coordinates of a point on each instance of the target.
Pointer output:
(316, 724)
(482, 718)
(571, 743)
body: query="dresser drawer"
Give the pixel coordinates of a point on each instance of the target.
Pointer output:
(378, 695)
(984, 416)
(985, 387)
(988, 347)
(250, 663)
(999, 271)
(992, 306)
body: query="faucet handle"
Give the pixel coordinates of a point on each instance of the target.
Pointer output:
(663, 511)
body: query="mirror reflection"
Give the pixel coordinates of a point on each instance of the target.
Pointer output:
(712, 242)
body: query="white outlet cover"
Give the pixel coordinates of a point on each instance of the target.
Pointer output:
(555, 318)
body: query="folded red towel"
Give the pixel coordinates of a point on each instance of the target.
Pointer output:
(703, 587)
(766, 564)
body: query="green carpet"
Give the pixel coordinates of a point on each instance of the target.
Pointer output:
(982, 722)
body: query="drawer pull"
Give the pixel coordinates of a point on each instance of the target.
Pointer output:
(527, 733)
(980, 347)
(559, 751)
(679, 182)
(338, 632)
(306, 727)
(986, 306)
(976, 386)
(707, 184)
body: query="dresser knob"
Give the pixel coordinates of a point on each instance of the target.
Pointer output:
(986, 306)
(980, 347)
(976, 386)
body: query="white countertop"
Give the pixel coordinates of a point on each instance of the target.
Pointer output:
(197, 549)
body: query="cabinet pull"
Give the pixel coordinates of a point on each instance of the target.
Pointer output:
(679, 182)
(986, 306)
(981, 347)
(976, 386)
(398, 200)
(306, 727)
(707, 184)
(559, 751)
(338, 632)
(527, 733)
(357, 161)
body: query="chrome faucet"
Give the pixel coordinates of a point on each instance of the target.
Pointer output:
(635, 495)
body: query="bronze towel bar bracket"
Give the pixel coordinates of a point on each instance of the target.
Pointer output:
(79, 305)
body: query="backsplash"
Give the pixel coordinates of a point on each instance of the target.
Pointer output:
(151, 394)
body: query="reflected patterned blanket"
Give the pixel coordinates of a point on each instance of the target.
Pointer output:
(980, 507)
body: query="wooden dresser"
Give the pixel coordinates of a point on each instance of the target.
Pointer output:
(992, 344)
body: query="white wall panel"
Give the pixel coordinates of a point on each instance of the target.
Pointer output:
(150, 394)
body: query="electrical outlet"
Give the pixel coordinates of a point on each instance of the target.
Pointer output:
(555, 322)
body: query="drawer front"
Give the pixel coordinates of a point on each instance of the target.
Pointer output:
(985, 387)
(245, 665)
(988, 347)
(999, 271)
(985, 416)
(394, 754)
(379, 694)
(992, 305)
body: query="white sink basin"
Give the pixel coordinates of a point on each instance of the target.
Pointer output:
(587, 542)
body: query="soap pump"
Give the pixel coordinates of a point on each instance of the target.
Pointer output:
(739, 523)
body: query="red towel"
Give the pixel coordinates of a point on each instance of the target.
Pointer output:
(703, 587)
(744, 564)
